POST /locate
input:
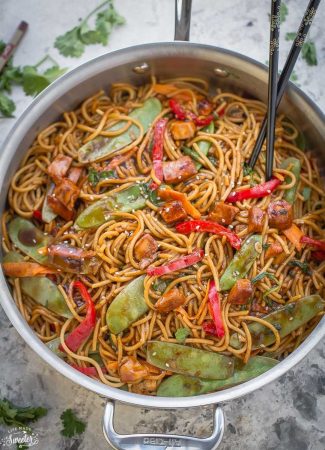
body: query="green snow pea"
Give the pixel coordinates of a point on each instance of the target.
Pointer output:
(29, 239)
(131, 198)
(47, 214)
(286, 319)
(294, 165)
(242, 262)
(127, 307)
(100, 147)
(189, 360)
(186, 386)
(42, 290)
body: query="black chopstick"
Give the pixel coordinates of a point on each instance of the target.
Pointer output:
(286, 73)
(273, 84)
(12, 44)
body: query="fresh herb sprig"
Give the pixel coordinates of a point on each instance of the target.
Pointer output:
(12, 415)
(71, 424)
(73, 42)
(308, 51)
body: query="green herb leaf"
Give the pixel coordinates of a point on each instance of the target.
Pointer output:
(181, 334)
(34, 82)
(309, 54)
(290, 36)
(293, 76)
(160, 285)
(262, 275)
(2, 46)
(95, 176)
(7, 106)
(149, 193)
(283, 12)
(247, 170)
(302, 265)
(71, 424)
(22, 447)
(12, 415)
(306, 193)
(73, 42)
(69, 44)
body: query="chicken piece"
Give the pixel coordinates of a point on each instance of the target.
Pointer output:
(280, 214)
(255, 220)
(59, 167)
(182, 130)
(241, 292)
(145, 250)
(204, 107)
(274, 249)
(74, 174)
(145, 387)
(131, 370)
(59, 208)
(170, 301)
(179, 170)
(67, 193)
(173, 211)
(223, 214)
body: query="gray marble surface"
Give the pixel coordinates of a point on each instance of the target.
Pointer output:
(288, 414)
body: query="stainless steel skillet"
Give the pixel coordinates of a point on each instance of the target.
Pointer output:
(221, 68)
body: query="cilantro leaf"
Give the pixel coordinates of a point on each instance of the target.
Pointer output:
(34, 82)
(95, 176)
(73, 42)
(293, 76)
(22, 446)
(309, 54)
(247, 170)
(7, 106)
(12, 415)
(290, 36)
(69, 44)
(283, 12)
(71, 424)
(181, 334)
(262, 275)
(301, 265)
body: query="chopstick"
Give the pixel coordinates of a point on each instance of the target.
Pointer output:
(12, 44)
(286, 73)
(273, 84)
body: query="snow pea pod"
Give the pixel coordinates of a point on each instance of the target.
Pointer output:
(29, 239)
(294, 165)
(127, 307)
(189, 360)
(42, 290)
(186, 386)
(47, 213)
(100, 147)
(242, 262)
(285, 320)
(203, 145)
(131, 198)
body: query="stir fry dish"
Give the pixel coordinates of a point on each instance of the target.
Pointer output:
(145, 253)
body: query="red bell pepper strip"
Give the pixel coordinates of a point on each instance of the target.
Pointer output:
(181, 114)
(318, 255)
(209, 327)
(210, 227)
(215, 310)
(313, 243)
(177, 264)
(37, 214)
(89, 371)
(82, 332)
(258, 191)
(158, 148)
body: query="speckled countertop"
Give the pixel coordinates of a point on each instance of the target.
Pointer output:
(288, 414)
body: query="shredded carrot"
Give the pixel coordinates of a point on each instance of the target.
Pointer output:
(25, 269)
(170, 194)
(169, 89)
(294, 234)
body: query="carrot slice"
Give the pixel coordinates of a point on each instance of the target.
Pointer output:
(25, 269)
(170, 194)
(294, 234)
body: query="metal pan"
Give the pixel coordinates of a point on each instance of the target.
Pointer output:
(222, 68)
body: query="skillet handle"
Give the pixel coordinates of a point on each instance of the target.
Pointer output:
(161, 441)
(182, 19)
